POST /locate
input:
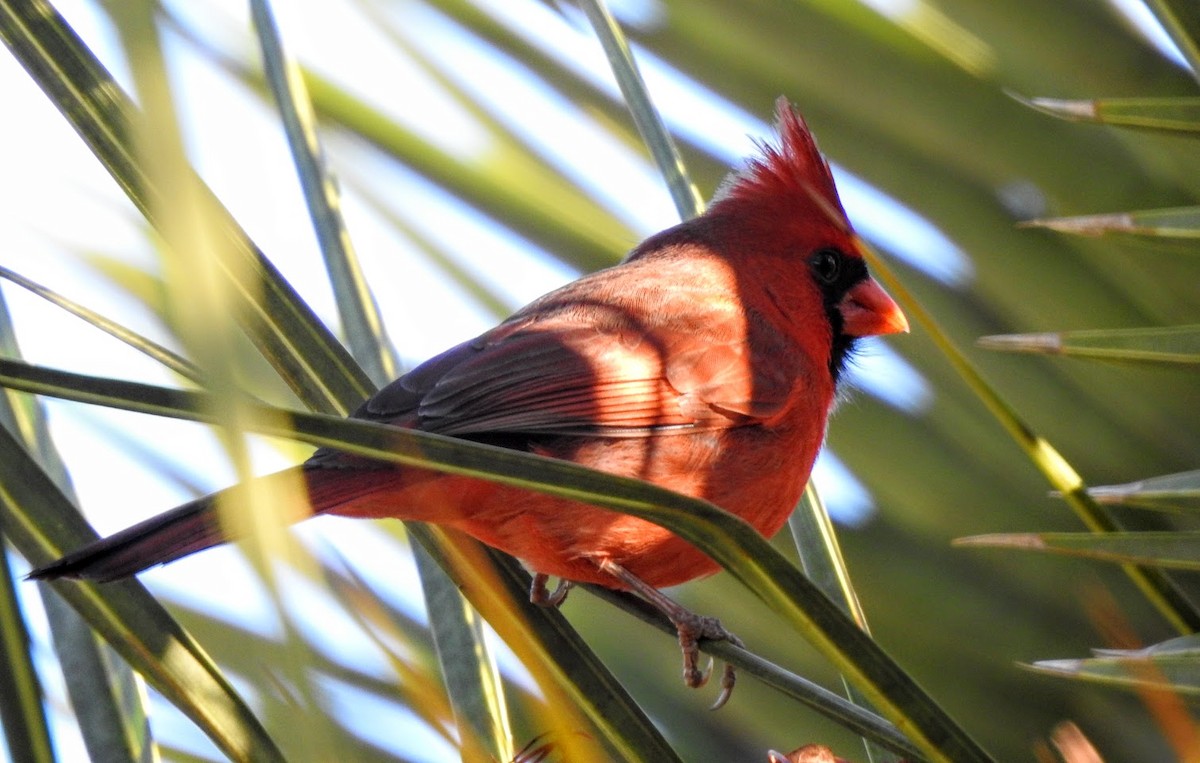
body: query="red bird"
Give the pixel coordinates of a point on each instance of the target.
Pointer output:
(705, 362)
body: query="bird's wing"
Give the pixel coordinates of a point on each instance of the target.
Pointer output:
(574, 372)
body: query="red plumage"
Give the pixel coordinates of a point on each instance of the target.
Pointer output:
(705, 362)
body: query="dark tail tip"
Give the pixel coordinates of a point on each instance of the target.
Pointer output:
(97, 562)
(158, 540)
(64, 568)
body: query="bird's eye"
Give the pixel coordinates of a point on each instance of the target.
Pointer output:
(826, 265)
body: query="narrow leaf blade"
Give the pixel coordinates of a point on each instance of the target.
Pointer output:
(1161, 114)
(1174, 345)
(1173, 665)
(1172, 492)
(1177, 550)
(1171, 223)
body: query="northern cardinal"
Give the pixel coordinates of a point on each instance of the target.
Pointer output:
(705, 362)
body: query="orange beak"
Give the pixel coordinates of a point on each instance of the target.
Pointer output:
(867, 310)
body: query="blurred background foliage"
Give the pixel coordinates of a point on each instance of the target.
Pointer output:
(917, 99)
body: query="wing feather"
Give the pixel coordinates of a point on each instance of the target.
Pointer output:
(584, 360)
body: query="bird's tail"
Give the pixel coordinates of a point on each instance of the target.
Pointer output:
(184, 530)
(194, 526)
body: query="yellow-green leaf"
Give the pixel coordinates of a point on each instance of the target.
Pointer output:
(1171, 492)
(1173, 223)
(1175, 345)
(1178, 550)
(1173, 665)
(1166, 114)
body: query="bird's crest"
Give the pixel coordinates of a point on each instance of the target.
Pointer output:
(793, 170)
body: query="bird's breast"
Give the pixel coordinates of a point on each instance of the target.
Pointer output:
(756, 472)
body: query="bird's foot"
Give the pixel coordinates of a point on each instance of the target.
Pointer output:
(542, 596)
(690, 627)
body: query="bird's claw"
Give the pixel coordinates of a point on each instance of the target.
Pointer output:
(728, 679)
(701, 678)
(693, 628)
(541, 596)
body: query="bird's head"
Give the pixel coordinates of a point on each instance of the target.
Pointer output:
(784, 207)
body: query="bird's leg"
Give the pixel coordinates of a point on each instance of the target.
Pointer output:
(690, 627)
(540, 595)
